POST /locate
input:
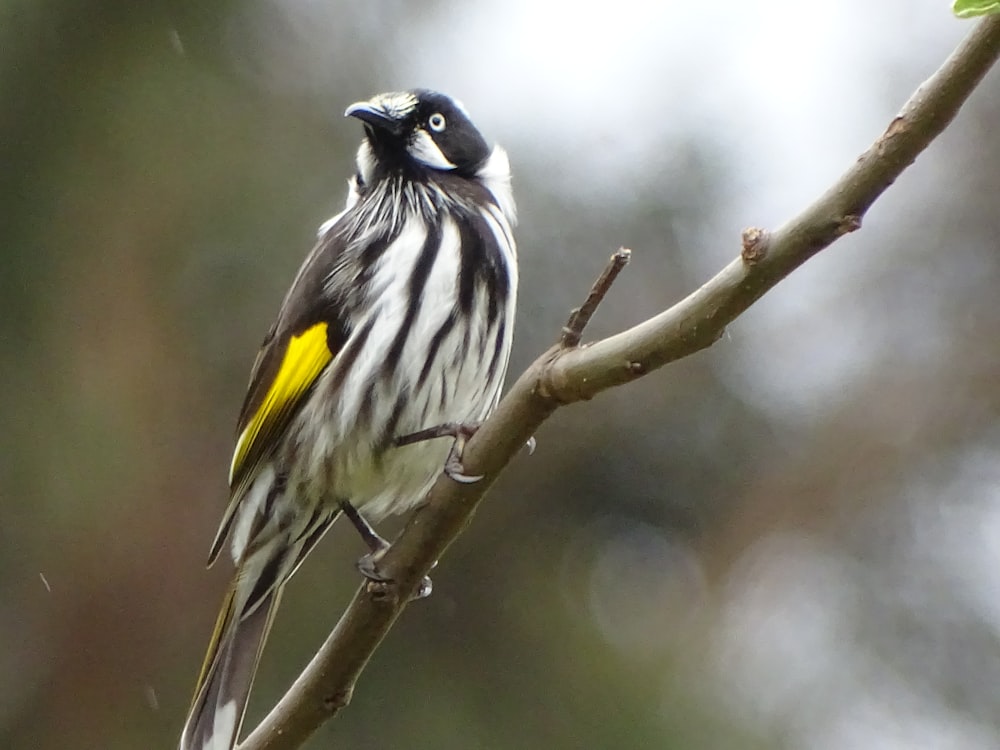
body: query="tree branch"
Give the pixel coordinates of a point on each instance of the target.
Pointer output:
(564, 375)
(580, 317)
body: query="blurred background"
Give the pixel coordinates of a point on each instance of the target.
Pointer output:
(791, 540)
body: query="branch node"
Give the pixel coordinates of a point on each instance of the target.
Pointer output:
(581, 315)
(755, 245)
(898, 125)
(333, 703)
(847, 224)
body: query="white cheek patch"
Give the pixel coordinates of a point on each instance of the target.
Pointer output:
(366, 162)
(426, 151)
(495, 174)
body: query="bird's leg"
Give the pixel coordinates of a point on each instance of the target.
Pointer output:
(368, 564)
(460, 432)
(375, 543)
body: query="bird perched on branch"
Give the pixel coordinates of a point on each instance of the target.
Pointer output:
(397, 328)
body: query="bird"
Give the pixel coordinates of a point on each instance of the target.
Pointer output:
(396, 329)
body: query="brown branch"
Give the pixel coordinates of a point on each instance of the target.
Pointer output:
(563, 375)
(580, 317)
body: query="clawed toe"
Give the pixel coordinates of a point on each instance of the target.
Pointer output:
(424, 590)
(367, 565)
(460, 432)
(454, 469)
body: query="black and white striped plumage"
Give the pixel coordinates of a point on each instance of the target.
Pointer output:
(399, 320)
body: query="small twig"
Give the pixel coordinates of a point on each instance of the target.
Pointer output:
(581, 316)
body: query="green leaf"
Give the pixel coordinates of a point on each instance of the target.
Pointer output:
(972, 8)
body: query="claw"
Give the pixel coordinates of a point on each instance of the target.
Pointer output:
(461, 433)
(456, 472)
(453, 466)
(531, 445)
(424, 590)
(367, 565)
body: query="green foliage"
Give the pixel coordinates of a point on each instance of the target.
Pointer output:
(972, 8)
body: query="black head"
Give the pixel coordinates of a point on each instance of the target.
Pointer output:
(418, 130)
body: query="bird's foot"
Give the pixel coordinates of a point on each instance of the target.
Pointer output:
(368, 567)
(460, 432)
(367, 564)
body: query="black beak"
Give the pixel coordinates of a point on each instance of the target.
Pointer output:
(375, 116)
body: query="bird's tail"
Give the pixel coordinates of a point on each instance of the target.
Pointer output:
(220, 698)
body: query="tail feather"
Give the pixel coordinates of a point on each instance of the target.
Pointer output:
(223, 689)
(220, 698)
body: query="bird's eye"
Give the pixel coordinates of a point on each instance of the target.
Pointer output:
(436, 122)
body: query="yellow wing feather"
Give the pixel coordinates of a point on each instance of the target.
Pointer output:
(305, 357)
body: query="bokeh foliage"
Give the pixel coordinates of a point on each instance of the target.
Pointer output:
(779, 542)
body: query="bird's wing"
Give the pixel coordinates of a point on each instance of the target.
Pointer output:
(310, 331)
(286, 373)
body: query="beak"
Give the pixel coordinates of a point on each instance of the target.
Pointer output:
(377, 117)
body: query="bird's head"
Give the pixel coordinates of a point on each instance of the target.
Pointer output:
(414, 131)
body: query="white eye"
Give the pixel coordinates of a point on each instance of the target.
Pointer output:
(436, 122)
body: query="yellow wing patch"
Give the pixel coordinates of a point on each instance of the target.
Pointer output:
(305, 357)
